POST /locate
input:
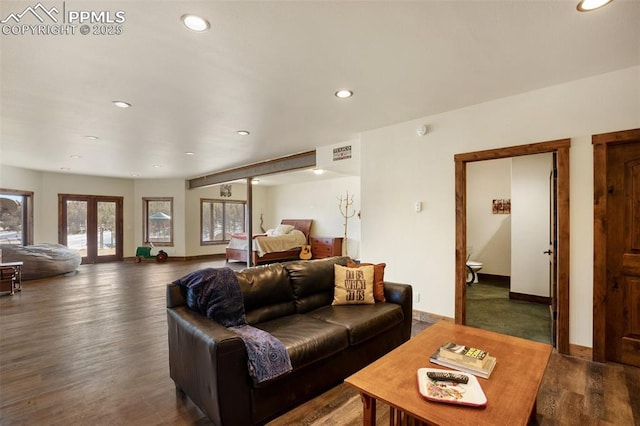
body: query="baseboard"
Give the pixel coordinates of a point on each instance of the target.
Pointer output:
(428, 317)
(499, 279)
(543, 300)
(583, 352)
(220, 256)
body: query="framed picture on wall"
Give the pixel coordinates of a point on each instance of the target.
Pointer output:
(501, 206)
(225, 190)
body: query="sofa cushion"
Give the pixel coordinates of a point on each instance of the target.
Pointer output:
(267, 293)
(353, 286)
(362, 321)
(378, 277)
(307, 339)
(312, 282)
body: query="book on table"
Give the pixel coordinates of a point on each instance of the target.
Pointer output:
(478, 363)
(468, 355)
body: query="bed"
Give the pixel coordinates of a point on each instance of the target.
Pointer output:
(272, 246)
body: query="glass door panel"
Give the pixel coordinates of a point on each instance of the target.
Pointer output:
(76, 226)
(106, 232)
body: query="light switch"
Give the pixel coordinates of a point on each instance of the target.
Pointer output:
(418, 206)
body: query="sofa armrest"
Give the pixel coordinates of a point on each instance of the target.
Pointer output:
(401, 294)
(208, 362)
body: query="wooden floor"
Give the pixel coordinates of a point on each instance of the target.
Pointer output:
(91, 349)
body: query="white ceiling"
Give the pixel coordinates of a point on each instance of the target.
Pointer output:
(272, 68)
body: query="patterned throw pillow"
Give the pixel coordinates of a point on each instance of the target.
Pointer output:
(378, 278)
(353, 286)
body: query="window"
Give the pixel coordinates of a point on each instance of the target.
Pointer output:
(158, 221)
(16, 217)
(220, 219)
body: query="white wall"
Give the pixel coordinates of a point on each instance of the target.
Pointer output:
(186, 206)
(489, 234)
(399, 167)
(319, 201)
(46, 186)
(530, 224)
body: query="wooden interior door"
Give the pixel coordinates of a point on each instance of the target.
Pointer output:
(552, 251)
(623, 254)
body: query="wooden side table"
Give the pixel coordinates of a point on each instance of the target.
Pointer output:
(322, 247)
(12, 271)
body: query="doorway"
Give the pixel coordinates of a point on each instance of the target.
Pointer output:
(561, 150)
(509, 223)
(92, 225)
(616, 247)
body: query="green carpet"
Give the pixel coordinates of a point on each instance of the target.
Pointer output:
(489, 308)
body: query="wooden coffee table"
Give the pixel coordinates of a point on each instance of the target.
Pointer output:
(511, 390)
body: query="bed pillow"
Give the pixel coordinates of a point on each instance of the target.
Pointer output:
(353, 286)
(282, 230)
(378, 278)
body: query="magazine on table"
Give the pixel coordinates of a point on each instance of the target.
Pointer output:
(475, 357)
(488, 364)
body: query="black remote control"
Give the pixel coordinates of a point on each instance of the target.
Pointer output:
(447, 377)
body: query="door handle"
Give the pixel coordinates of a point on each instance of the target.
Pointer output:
(547, 252)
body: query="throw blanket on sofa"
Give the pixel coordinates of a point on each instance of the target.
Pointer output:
(268, 358)
(216, 294)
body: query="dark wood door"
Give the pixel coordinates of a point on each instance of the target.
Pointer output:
(623, 254)
(552, 251)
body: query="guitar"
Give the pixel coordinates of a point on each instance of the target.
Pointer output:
(305, 253)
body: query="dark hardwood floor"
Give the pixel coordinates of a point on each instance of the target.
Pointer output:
(91, 349)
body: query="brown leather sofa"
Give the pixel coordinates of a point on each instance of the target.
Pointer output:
(291, 301)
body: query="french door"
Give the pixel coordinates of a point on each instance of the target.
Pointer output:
(92, 225)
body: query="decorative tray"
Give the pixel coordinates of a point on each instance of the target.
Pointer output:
(469, 393)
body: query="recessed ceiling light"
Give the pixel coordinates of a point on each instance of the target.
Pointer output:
(587, 5)
(195, 22)
(318, 171)
(122, 104)
(134, 175)
(75, 156)
(156, 166)
(243, 132)
(93, 138)
(344, 93)
(255, 181)
(189, 153)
